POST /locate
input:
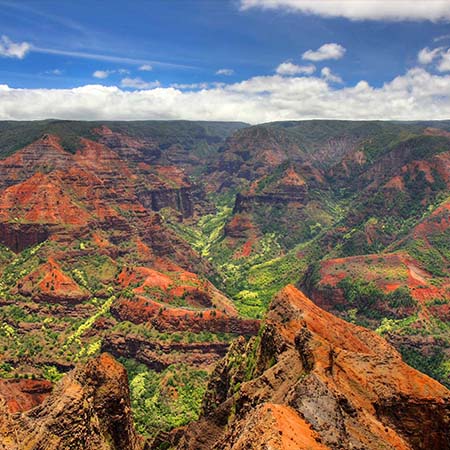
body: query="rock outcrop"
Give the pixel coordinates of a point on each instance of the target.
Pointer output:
(168, 319)
(158, 355)
(89, 409)
(22, 395)
(313, 381)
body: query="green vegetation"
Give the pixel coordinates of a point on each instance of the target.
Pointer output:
(372, 301)
(15, 135)
(435, 365)
(162, 401)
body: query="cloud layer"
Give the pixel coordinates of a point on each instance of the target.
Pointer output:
(413, 96)
(392, 10)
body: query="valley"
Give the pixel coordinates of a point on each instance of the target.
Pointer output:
(194, 252)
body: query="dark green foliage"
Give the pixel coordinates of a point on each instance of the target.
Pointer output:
(433, 365)
(369, 299)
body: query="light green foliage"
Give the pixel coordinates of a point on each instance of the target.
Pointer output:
(86, 325)
(390, 325)
(208, 230)
(7, 330)
(80, 277)
(52, 374)
(20, 266)
(162, 401)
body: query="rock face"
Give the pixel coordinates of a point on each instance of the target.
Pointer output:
(160, 355)
(313, 381)
(164, 318)
(19, 236)
(21, 394)
(49, 283)
(89, 409)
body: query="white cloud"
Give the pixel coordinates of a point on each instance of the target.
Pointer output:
(226, 72)
(101, 74)
(289, 68)
(415, 95)
(444, 63)
(326, 51)
(12, 49)
(392, 10)
(328, 75)
(440, 54)
(426, 56)
(145, 68)
(139, 83)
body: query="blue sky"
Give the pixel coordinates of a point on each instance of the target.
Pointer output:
(189, 46)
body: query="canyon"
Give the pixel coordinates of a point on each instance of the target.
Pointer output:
(185, 250)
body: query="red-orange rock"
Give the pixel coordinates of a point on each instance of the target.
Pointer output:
(21, 394)
(315, 381)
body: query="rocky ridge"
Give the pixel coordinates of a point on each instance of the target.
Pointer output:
(312, 380)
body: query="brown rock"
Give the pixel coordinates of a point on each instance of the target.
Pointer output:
(21, 395)
(88, 410)
(313, 381)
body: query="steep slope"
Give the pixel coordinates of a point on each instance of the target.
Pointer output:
(89, 409)
(311, 380)
(86, 254)
(403, 293)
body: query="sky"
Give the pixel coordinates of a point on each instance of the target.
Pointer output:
(245, 60)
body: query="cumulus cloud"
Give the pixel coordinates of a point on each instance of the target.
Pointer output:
(327, 51)
(444, 63)
(391, 10)
(12, 49)
(426, 56)
(139, 83)
(415, 95)
(441, 55)
(226, 72)
(289, 68)
(330, 76)
(145, 68)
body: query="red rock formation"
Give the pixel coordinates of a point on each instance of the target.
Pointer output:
(165, 318)
(314, 381)
(89, 409)
(43, 155)
(160, 355)
(22, 395)
(49, 283)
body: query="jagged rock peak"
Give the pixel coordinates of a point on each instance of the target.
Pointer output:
(313, 381)
(89, 409)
